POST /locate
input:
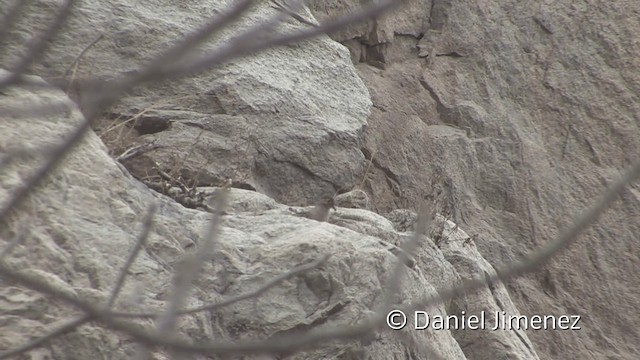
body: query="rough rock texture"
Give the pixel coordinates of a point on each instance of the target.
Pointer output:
(286, 122)
(512, 116)
(508, 116)
(85, 218)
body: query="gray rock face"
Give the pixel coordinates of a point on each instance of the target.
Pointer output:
(84, 220)
(510, 117)
(507, 117)
(286, 122)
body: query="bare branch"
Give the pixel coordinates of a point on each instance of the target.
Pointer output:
(108, 93)
(259, 291)
(6, 22)
(248, 295)
(147, 224)
(300, 341)
(188, 270)
(249, 42)
(186, 273)
(60, 330)
(174, 54)
(174, 63)
(38, 45)
(56, 156)
(86, 48)
(409, 247)
(540, 257)
(35, 110)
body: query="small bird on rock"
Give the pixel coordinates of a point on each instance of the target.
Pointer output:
(321, 211)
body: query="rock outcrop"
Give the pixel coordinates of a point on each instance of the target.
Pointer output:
(507, 117)
(81, 224)
(511, 117)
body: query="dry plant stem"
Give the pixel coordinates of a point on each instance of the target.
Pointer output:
(86, 48)
(12, 14)
(186, 273)
(38, 45)
(366, 172)
(139, 114)
(300, 341)
(395, 280)
(189, 268)
(248, 295)
(138, 149)
(110, 93)
(56, 156)
(286, 343)
(147, 224)
(248, 43)
(393, 284)
(73, 68)
(291, 12)
(190, 42)
(70, 325)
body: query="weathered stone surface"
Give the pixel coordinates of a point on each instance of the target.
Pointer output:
(511, 117)
(83, 221)
(356, 199)
(286, 122)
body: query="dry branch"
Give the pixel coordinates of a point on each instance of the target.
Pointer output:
(320, 336)
(38, 45)
(244, 296)
(179, 61)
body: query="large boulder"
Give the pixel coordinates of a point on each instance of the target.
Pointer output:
(80, 225)
(286, 122)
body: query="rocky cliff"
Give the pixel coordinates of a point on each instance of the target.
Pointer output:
(507, 118)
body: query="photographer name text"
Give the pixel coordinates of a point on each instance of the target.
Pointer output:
(499, 320)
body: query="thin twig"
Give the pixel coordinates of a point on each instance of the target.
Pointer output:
(7, 21)
(136, 150)
(285, 343)
(248, 295)
(38, 45)
(188, 270)
(407, 248)
(147, 224)
(86, 48)
(73, 67)
(319, 336)
(60, 330)
(366, 171)
(285, 9)
(249, 42)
